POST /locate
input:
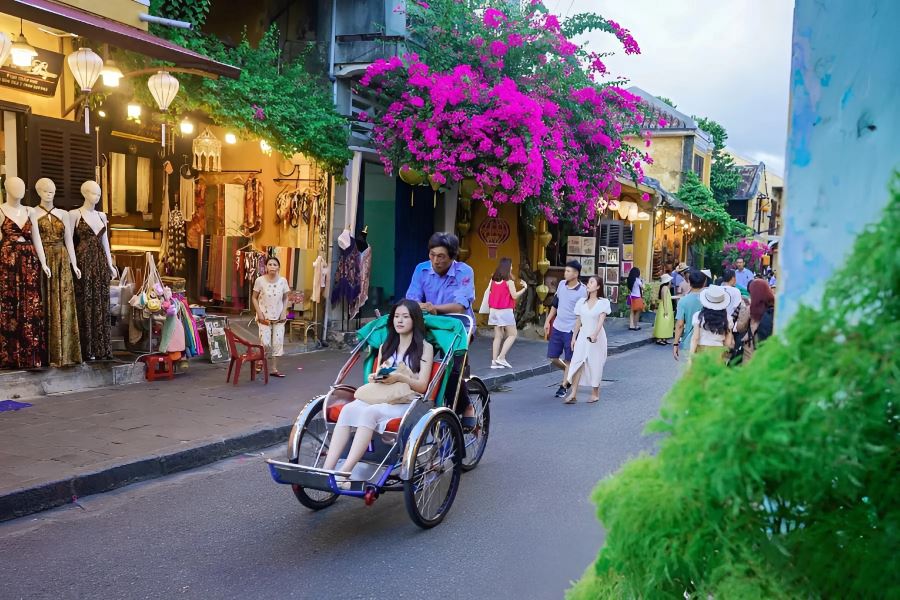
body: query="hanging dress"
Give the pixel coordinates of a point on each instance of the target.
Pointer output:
(347, 277)
(23, 334)
(92, 292)
(63, 345)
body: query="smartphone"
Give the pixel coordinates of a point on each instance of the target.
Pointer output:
(384, 372)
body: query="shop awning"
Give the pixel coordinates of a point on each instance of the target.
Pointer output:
(101, 29)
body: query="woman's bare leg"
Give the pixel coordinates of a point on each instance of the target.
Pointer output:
(576, 378)
(339, 440)
(360, 445)
(511, 333)
(498, 342)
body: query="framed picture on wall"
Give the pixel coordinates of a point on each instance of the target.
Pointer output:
(573, 245)
(612, 293)
(612, 275)
(626, 267)
(628, 252)
(588, 266)
(612, 256)
(601, 256)
(588, 246)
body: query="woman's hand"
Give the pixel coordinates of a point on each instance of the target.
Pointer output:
(395, 377)
(572, 343)
(371, 378)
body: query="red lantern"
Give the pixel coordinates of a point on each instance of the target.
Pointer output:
(493, 232)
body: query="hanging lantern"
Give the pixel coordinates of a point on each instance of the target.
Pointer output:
(163, 88)
(207, 152)
(85, 65)
(623, 208)
(632, 212)
(5, 47)
(111, 74)
(22, 52)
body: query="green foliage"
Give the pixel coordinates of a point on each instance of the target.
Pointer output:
(280, 102)
(778, 479)
(192, 11)
(721, 227)
(724, 178)
(667, 101)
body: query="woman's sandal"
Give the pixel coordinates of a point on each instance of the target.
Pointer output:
(593, 399)
(571, 399)
(276, 374)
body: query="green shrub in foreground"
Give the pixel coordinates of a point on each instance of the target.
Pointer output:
(778, 479)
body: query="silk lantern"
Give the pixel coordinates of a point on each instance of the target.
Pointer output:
(85, 65)
(5, 47)
(163, 87)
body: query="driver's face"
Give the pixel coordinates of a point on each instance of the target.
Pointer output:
(440, 259)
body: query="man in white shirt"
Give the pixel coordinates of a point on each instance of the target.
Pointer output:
(562, 315)
(743, 276)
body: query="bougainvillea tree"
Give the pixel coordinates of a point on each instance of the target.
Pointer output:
(501, 95)
(750, 250)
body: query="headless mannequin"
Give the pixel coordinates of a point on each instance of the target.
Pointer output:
(46, 191)
(20, 215)
(95, 219)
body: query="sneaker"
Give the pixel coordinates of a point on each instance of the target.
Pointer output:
(496, 365)
(504, 363)
(561, 392)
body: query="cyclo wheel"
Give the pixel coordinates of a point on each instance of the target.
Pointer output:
(476, 441)
(310, 452)
(434, 479)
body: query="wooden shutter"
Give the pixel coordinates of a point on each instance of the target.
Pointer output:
(611, 234)
(61, 151)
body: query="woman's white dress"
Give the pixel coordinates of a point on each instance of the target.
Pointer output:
(590, 355)
(372, 416)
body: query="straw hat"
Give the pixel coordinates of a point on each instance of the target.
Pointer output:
(707, 272)
(666, 278)
(681, 268)
(715, 298)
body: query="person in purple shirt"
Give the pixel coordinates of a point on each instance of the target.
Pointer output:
(442, 285)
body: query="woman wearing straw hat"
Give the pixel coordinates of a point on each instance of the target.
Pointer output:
(664, 326)
(712, 325)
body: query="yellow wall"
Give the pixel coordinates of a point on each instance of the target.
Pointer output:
(643, 247)
(123, 11)
(479, 259)
(667, 154)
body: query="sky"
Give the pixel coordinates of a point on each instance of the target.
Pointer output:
(729, 61)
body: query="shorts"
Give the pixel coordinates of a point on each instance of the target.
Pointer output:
(560, 343)
(503, 317)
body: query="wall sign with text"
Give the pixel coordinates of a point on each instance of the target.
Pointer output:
(40, 78)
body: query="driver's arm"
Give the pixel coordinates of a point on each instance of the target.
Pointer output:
(453, 307)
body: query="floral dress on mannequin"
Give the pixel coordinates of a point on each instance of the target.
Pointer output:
(92, 292)
(23, 334)
(63, 345)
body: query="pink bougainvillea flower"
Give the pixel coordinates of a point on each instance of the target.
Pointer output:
(498, 48)
(494, 18)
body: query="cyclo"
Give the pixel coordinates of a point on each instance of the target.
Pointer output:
(422, 454)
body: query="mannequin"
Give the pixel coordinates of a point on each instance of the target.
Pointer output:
(23, 331)
(97, 268)
(55, 227)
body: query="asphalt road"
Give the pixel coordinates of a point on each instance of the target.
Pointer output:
(522, 525)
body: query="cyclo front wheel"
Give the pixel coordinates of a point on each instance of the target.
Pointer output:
(434, 476)
(475, 441)
(311, 452)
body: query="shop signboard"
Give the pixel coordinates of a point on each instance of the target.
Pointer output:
(215, 335)
(41, 77)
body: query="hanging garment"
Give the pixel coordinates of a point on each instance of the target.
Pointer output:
(196, 229)
(173, 262)
(63, 345)
(346, 277)
(186, 198)
(253, 207)
(365, 270)
(164, 219)
(22, 325)
(234, 209)
(283, 208)
(320, 279)
(92, 292)
(143, 185)
(117, 184)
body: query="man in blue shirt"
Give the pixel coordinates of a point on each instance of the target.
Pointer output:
(441, 285)
(744, 276)
(684, 314)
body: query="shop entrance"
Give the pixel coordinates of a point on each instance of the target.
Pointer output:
(415, 224)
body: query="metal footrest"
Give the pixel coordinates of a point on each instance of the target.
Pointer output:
(307, 477)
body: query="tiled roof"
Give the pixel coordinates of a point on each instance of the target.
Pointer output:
(675, 119)
(750, 175)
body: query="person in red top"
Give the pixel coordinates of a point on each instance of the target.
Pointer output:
(501, 298)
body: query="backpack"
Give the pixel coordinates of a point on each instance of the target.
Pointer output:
(766, 325)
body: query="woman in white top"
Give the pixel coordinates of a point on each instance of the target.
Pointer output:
(270, 292)
(589, 340)
(713, 325)
(635, 287)
(405, 343)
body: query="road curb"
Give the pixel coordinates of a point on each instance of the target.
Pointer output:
(27, 501)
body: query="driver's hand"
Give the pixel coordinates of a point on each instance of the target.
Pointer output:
(428, 307)
(675, 351)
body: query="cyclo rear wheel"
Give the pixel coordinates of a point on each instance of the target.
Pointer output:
(434, 478)
(476, 440)
(311, 452)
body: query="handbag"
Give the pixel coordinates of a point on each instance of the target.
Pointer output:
(120, 293)
(386, 393)
(485, 307)
(637, 304)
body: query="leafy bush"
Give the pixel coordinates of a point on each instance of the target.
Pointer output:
(779, 479)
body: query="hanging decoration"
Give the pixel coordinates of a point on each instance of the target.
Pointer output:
(22, 52)
(163, 87)
(85, 65)
(493, 231)
(207, 152)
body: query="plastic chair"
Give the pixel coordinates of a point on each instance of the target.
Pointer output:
(159, 366)
(255, 353)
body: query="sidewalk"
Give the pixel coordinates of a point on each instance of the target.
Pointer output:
(65, 447)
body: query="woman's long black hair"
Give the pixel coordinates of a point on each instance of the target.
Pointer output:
(633, 274)
(413, 356)
(715, 321)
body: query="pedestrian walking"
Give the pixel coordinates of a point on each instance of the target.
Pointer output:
(501, 296)
(664, 325)
(442, 285)
(762, 317)
(589, 341)
(681, 286)
(270, 292)
(562, 316)
(712, 325)
(684, 314)
(744, 276)
(635, 286)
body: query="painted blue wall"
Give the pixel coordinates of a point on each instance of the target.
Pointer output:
(844, 138)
